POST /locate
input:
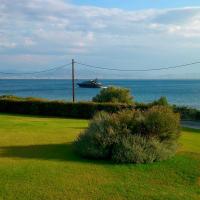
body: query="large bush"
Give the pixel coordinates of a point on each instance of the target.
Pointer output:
(114, 95)
(131, 136)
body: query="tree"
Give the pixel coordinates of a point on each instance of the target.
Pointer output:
(114, 95)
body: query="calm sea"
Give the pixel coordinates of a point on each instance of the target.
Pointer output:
(181, 92)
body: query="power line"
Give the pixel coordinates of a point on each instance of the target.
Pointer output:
(102, 68)
(139, 70)
(37, 72)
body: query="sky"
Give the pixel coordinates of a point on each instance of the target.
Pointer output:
(135, 4)
(130, 34)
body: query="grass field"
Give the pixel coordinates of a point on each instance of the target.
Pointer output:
(37, 162)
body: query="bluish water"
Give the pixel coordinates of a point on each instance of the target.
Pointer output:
(181, 92)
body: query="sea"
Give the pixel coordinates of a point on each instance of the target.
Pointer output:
(179, 92)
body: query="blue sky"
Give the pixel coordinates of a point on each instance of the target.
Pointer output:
(138, 4)
(38, 34)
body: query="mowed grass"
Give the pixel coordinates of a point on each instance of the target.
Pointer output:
(37, 162)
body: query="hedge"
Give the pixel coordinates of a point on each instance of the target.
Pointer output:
(84, 110)
(187, 113)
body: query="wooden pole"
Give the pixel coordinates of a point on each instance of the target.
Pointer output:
(73, 81)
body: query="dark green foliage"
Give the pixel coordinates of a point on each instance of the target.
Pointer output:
(131, 136)
(97, 139)
(187, 113)
(34, 106)
(162, 123)
(84, 110)
(114, 95)
(137, 149)
(160, 102)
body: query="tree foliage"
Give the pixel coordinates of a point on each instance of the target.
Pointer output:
(114, 95)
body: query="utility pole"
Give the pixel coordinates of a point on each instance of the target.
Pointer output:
(73, 84)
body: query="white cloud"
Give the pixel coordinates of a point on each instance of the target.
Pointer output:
(29, 42)
(188, 26)
(49, 27)
(6, 42)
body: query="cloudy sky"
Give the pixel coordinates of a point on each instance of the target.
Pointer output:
(38, 34)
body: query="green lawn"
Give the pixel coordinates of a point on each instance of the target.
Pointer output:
(37, 162)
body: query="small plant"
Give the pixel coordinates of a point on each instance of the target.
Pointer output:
(114, 95)
(131, 136)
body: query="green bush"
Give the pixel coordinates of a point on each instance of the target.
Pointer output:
(82, 110)
(137, 149)
(162, 123)
(34, 106)
(114, 95)
(162, 101)
(131, 136)
(187, 113)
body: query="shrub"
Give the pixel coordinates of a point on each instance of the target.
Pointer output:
(162, 101)
(162, 123)
(137, 149)
(82, 110)
(114, 95)
(34, 106)
(187, 113)
(131, 136)
(97, 139)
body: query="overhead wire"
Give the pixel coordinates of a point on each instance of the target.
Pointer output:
(103, 68)
(138, 70)
(36, 72)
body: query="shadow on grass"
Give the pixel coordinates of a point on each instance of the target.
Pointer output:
(66, 153)
(59, 152)
(38, 116)
(63, 152)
